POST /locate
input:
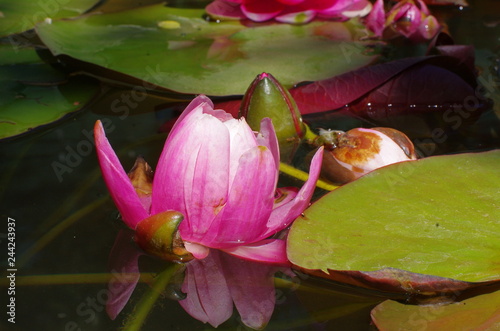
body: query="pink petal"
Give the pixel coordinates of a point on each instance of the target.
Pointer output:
(423, 7)
(429, 27)
(242, 139)
(269, 251)
(208, 297)
(243, 218)
(252, 289)
(222, 115)
(199, 105)
(192, 175)
(198, 251)
(225, 10)
(320, 5)
(267, 137)
(260, 11)
(284, 195)
(121, 189)
(124, 267)
(341, 8)
(282, 216)
(291, 2)
(358, 8)
(146, 203)
(400, 10)
(375, 21)
(407, 19)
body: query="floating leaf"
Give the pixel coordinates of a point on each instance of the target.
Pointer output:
(35, 94)
(405, 83)
(477, 313)
(403, 94)
(22, 15)
(430, 225)
(176, 49)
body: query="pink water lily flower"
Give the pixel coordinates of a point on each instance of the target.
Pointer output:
(222, 177)
(288, 11)
(410, 18)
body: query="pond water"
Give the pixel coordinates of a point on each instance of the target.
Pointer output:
(66, 224)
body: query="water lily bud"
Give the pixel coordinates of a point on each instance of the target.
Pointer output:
(266, 97)
(159, 235)
(349, 155)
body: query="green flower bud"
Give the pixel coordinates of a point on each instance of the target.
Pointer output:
(266, 97)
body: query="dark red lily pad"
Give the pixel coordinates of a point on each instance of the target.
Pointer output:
(413, 95)
(409, 86)
(412, 287)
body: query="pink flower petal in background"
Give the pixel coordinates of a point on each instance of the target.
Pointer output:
(343, 9)
(428, 27)
(406, 19)
(260, 11)
(375, 21)
(288, 11)
(291, 2)
(410, 18)
(225, 9)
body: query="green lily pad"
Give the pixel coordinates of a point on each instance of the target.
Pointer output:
(34, 94)
(21, 15)
(428, 225)
(178, 50)
(478, 313)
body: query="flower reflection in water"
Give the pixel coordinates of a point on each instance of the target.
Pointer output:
(209, 287)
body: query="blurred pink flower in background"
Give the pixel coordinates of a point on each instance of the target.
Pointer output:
(410, 18)
(288, 11)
